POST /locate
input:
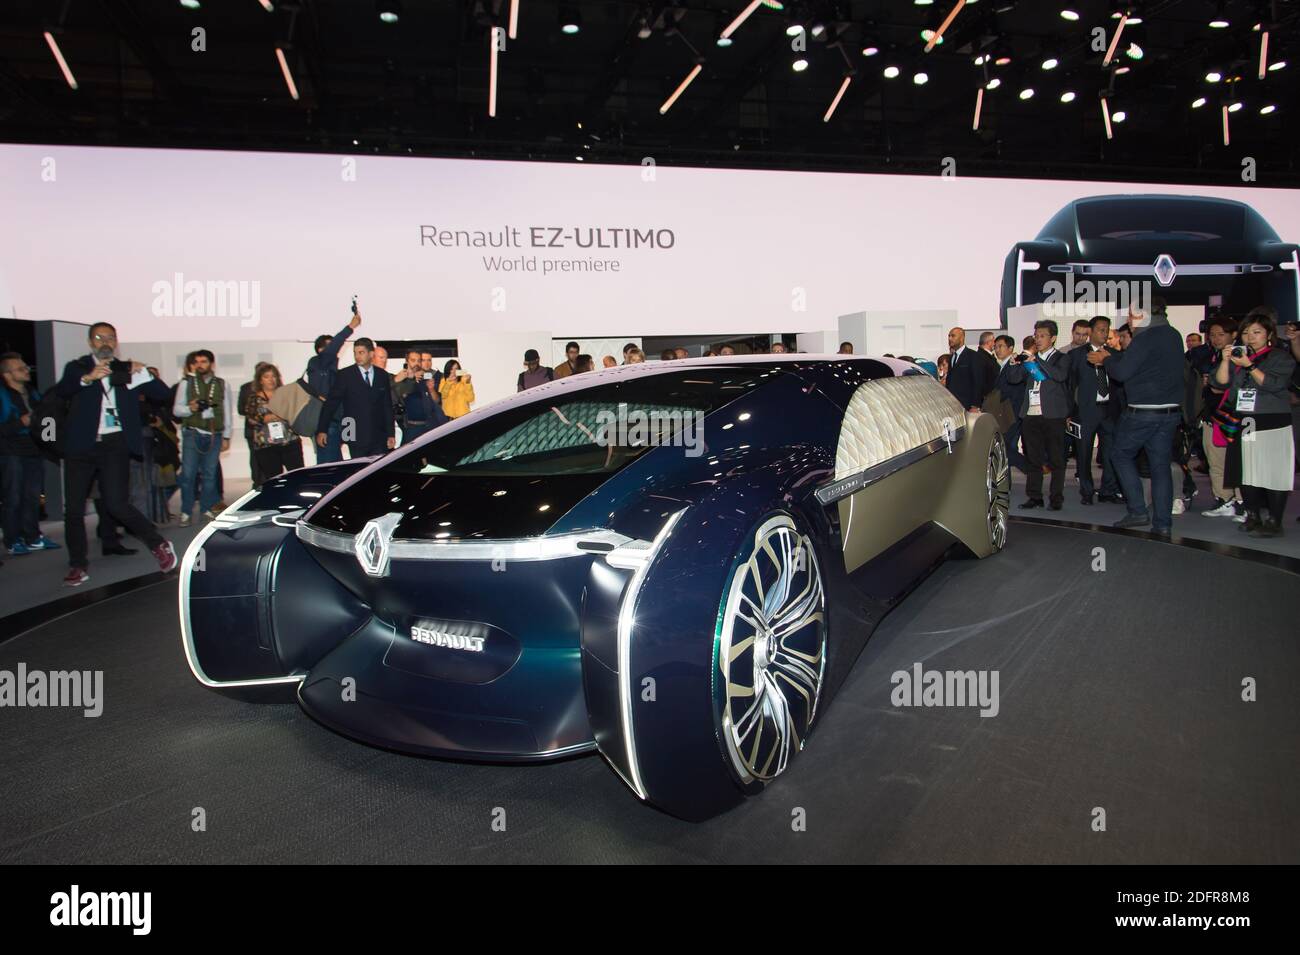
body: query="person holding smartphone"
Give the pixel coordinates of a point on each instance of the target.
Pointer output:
(1256, 377)
(457, 390)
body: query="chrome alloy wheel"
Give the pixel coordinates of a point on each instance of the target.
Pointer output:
(771, 651)
(999, 492)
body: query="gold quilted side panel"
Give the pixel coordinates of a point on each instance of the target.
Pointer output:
(889, 416)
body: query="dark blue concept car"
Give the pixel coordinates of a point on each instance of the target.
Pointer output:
(674, 564)
(1189, 250)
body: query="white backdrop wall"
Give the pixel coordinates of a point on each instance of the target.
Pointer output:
(276, 244)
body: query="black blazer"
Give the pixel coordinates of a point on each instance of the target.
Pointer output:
(1013, 392)
(1083, 388)
(371, 409)
(82, 422)
(971, 378)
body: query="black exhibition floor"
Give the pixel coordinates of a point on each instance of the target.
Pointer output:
(1119, 690)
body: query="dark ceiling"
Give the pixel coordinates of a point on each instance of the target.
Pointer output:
(420, 85)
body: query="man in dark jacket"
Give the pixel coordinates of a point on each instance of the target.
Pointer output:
(535, 373)
(1096, 409)
(1042, 415)
(319, 380)
(1151, 369)
(971, 371)
(362, 395)
(102, 433)
(416, 398)
(1004, 350)
(22, 469)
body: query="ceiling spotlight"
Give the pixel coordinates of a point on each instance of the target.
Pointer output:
(1234, 107)
(570, 20)
(799, 65)
(1119, 116)
(870, 50)
(794, 29)
(1219, 23)
(1265, 110)
(923, 3)
(1134, 51)
(190, 4)
(1121, 70)
(1198, 102)
(1002, 61)
(1071, 15)
(920, 79)
(981, 59)
(1213, 76)
(643, 32)
(891, 72)
(1067, 96)
(818, 29)
(1027, 92)
(724, 41)
(993, 84)
(389, 10)
(928, 35)
(1280, 64)
(1051, 63)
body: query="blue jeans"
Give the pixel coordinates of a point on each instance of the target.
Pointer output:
(200, 452)
(22, 478)
(333, 450)
(1154, 432)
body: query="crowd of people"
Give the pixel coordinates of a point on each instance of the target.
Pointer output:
(1126, 400)
(130, 443)
(1141, 398)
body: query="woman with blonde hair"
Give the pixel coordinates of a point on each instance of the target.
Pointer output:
(456, 389)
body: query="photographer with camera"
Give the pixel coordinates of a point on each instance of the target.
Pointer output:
(205, 410)
(102, 434)
(1254, 418)
(416, 398)
(457, 390)
(1045, 406)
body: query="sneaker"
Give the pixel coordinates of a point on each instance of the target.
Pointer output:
(185, 520)
(1179, 506)
(1221, 508)
(20, 548)
(76, 577)
(43, 543)
(1131, 520)
(165, 554)
(210, 515)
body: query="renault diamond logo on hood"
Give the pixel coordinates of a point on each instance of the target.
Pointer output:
(1165, 269)
(371, 545)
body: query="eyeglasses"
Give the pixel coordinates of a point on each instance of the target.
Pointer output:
(106, 339)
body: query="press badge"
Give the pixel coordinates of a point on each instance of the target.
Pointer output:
(275, 430)
(1246, 399)
(111, 419)
(1035, 396)
(208, 414)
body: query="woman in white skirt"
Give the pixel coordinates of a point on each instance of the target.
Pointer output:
(1261, 452)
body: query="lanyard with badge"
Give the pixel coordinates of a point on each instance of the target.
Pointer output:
(1246, 396)
(112, 420)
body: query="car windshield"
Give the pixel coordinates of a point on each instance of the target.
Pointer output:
(1160, 219)
(583, 431)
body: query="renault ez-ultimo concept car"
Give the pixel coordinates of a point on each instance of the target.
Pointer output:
(674, 564)
(1186, 249)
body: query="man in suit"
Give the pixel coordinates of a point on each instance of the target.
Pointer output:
(101, 435)
(322, 370)
(1046, 406)
(971, 372)
(1096, 409)
(1004, 349)
(364, 394)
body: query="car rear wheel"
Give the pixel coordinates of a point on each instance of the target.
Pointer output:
(998, 482)
(771, 651)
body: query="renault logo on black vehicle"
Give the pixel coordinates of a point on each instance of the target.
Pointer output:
(452, 641)
(371, 545)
